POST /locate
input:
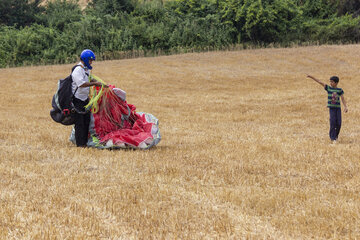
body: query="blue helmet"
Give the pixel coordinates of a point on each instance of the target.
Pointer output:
(87, 55)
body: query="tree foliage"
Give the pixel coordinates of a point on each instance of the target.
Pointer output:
(59, 31)
(112, 7)
(19, 13)
(60, 13)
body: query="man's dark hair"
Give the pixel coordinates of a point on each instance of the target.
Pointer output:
(335, 79)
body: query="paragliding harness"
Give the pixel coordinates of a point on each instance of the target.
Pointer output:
(64, 111)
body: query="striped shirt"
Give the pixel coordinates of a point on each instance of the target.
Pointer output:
(333, 96)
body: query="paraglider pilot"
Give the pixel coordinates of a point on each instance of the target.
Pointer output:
(81, 88)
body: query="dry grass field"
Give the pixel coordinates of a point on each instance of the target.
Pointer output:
(245, 152)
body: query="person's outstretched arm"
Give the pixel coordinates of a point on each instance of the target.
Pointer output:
(316, 80)
(92, 83)
(344, 102)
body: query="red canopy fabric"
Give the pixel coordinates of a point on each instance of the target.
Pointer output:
(118, 121)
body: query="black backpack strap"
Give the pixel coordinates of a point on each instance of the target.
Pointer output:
(73, 68)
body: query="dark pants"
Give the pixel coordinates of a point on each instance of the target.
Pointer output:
(81, 123)
(335, 122)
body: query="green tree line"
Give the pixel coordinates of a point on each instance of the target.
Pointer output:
(32, 33)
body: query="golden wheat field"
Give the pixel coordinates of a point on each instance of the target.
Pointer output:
(245, 152)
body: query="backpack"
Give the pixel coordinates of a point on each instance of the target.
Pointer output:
(62, 102)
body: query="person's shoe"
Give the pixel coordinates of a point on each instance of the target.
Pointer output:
(333, 141)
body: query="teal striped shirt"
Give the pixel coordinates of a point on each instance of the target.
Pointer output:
(333, 96)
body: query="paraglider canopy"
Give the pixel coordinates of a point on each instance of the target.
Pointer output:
(116, 124)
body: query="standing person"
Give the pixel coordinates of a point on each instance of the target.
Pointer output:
(81, 88)
(334, 95)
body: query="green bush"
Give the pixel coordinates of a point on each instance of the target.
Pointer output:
(59, 13)
(7, 45)
(343, 29)
(58, 33)
(29, 45)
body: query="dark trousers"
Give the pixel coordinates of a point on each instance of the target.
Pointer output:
(81, 123)
(335, 122)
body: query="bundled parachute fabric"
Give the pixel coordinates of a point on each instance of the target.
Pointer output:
(115, 123)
